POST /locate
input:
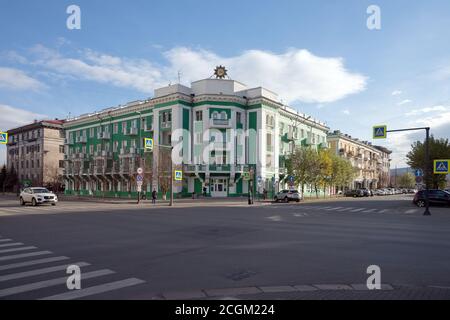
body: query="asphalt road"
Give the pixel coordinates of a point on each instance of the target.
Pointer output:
(215, 250)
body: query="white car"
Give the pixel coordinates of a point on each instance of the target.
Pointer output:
(37, 196)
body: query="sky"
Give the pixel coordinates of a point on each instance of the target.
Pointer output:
(319, 56)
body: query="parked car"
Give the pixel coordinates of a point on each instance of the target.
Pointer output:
(354, 193)
(435, 197)
(367, 192)
(380, 192)
(288, 195)
(37, 196)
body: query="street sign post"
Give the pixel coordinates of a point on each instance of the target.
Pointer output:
(148, 144)
(139, 171)
(441, 166)
(380, 132)
(3, 137)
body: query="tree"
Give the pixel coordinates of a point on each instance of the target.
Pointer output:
(406, 180)
(439, 149)
(3, 175)
(300, 165)
(164, 174)
(11, 180)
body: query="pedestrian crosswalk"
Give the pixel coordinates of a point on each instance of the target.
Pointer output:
(26, 270)
(310, 210)
(72, 207)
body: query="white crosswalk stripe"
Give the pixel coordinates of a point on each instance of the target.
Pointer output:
(24, 255)
(39, 271)
(96, 289)
(17, 249)
(357, 210)
(5, 240)
(370, 210)
(50, 283)
(32, 263)
(14, 244)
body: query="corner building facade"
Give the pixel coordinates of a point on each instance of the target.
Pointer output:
(219, 130)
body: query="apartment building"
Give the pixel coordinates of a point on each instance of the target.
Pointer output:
(220, 131)
(371, 163)
(36, 151)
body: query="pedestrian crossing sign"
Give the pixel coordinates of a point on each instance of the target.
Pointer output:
(379, 132)
(441, 166)
(148, 144)
(3, 137)
(178, 175)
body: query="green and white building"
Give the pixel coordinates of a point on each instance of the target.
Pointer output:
(221, 131)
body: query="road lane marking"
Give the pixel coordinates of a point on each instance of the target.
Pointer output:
(370, 210)
(36, 272)
(25, 255)
(50, 283)
(5, 240)
(345, 209)
(17, 249)
(383, 211)
(96, 289)
(357, 210)
(14, 244)
(32, 263)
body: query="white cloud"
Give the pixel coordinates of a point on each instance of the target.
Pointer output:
(346, 111)
(296, 75)
(396, 93)
(15, 117)
(404, 102)
(439, 109)
(18, 80)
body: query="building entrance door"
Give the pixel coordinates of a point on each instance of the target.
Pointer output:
(219, 187)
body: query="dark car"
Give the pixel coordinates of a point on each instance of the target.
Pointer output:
(354, 193)
(436, 197)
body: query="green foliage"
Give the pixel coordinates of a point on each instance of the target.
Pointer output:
(8, 179)
(319, 168)
(439, 149)
(406, 180)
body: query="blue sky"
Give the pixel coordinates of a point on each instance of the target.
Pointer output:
(318, 55)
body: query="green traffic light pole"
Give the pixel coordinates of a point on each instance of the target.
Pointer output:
(427, 163)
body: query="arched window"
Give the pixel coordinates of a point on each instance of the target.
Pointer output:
(215, 115)
(223, 115)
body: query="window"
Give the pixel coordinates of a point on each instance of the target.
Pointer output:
(116, 128)
(26, 164)
(124, 127)
(223, 115)
(37, 163)
(215, 115)
(238, 117)
(198, 115)
(91, 133)
(61, 163)
(61, 149)
(91, 149)
(169, 116)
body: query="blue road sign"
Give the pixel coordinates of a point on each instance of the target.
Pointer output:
(140, 178)
(291, 178)
(3, 137)
(178, 175)
(148, 144)
(441, 166)
(379, 132)
(418, 172)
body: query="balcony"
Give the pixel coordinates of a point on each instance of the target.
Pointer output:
(194, 168)
(68, 141)
(133, 131)
(222, 123)
(148, 128)
(100, 170)
(107, 154)
(81, 139)
(128, 152)
(104, 135)
(219, 167)
(166, 125)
